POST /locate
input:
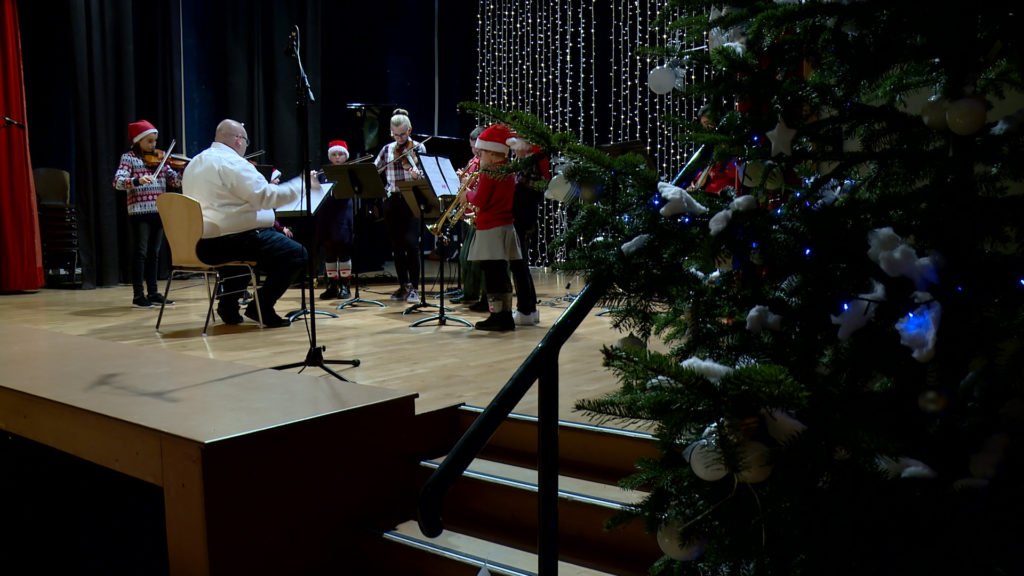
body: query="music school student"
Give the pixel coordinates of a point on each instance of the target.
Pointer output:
(135, 175)
(473, 294)
(495, 244)
(399, 162)
(334, 222)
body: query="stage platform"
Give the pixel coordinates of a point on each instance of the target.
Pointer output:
(261, 471)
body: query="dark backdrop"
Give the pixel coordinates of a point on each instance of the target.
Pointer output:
(187, 64)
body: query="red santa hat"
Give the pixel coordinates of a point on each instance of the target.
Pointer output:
(495, 138)
(337, 146)
(139, 130)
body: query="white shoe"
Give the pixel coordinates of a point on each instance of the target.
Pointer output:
(521, 319)
(413, 297)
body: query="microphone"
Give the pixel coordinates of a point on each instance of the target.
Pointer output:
(12, 122)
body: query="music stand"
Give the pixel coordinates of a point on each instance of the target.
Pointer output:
(430, 207)
(355, 181)
(298, 209)
(304, 94)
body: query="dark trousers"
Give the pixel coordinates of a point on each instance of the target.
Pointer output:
(526, 292)
(147, 236)
(403, 230)
(282, 258)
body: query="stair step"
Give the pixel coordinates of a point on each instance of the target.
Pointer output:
(568, 484)
(589, 452)
(458, 554)
(502, 509)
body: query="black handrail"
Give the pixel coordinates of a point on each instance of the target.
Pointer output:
(542, 365)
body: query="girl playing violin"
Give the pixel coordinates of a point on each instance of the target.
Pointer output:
(399, 161)
(135, 175)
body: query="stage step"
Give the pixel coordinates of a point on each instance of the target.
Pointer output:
(492, 509)
(589, 452)
(407, 551)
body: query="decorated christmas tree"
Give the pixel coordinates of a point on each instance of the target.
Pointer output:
(840, 383)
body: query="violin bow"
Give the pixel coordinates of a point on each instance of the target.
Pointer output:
(163, 162)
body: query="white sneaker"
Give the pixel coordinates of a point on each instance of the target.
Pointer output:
(521, 319)
(413, 297)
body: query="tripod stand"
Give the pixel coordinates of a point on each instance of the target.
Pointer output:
(355, 181)
(304, 95)
(307, 205)
(442, 244)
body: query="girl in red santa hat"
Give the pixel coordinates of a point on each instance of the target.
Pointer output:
(495, 244)
(334, 232)
(143, 186)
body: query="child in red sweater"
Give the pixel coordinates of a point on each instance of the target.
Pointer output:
(495, 243)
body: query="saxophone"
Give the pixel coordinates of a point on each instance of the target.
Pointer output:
(455, 210)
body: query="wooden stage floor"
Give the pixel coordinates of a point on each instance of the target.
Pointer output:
(444, 365)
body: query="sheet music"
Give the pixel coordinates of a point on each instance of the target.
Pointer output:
(298, 208)
(432, 170)
(450, 176)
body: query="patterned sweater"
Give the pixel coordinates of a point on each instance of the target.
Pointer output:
(142, 198)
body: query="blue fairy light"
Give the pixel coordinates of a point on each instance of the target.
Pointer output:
(807, 251)
(754, 245)
(846, 306)
(686, 219)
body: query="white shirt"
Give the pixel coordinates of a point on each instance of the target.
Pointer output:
(235, 197)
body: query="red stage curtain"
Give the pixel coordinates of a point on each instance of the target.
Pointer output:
(21, 256)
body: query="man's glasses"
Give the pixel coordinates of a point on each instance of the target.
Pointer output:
(246, 138)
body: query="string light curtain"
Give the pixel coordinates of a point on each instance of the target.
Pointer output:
(580, 68)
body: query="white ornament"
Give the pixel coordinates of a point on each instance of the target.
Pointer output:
(706, 461)
(661, 79)
(966, 116)
(904, 467)
(755, 463)
(782, 138)
(668, 540)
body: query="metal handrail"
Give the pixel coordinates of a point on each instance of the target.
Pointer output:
(540, 366)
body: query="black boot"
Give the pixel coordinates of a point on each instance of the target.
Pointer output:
(332, 291)
(497, 322)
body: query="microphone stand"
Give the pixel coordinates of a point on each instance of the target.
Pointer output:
(315, 354)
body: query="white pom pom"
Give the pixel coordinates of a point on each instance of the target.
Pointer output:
(635, 244)
(859, 312)
(748, 202)
(760, 318)
(710, 370)
(719, 221)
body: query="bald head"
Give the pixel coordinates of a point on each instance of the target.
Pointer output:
(232, 134)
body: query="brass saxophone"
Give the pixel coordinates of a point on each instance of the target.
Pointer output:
(455, 210)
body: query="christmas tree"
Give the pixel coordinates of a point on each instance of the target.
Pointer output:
(840, 389)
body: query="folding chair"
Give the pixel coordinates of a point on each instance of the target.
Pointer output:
(182, 218)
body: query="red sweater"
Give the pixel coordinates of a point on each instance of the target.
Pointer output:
(493, 201)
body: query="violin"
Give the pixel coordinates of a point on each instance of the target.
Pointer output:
(156, 159)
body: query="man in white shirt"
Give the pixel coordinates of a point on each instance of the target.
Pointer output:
(238, 222)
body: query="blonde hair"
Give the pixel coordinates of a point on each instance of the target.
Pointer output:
(400, 119)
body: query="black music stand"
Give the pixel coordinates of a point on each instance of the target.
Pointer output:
(420, 194)
(356, 181)
(304, 95)
(304, 208)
